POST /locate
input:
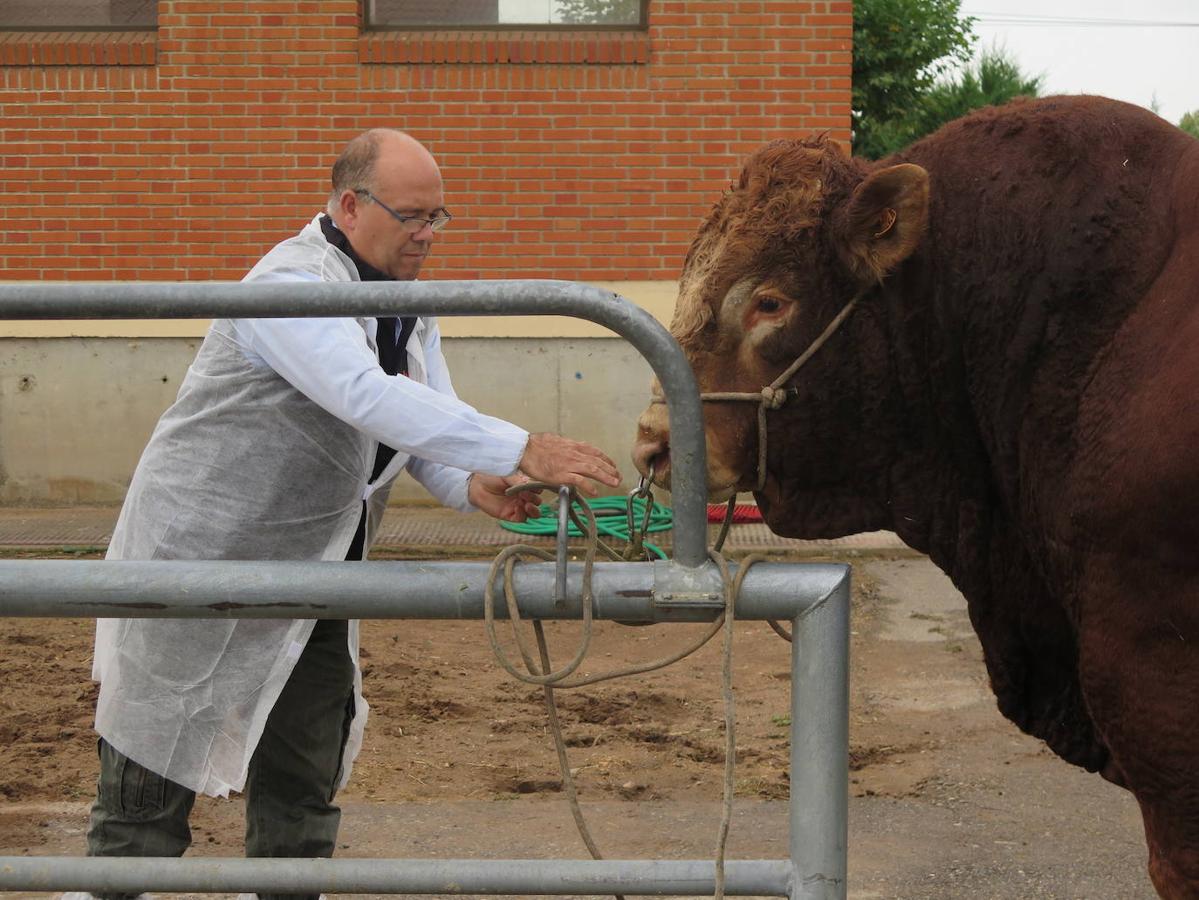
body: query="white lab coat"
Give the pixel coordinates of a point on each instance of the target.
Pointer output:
(266, 454)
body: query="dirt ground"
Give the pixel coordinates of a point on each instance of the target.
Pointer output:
(948, 799)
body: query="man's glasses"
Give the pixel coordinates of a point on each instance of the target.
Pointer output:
(411, 224)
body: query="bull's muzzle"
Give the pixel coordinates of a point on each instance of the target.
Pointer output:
(651, 448)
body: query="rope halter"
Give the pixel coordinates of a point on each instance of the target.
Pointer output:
(775, 395)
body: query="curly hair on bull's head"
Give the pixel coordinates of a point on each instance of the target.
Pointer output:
(772, 213)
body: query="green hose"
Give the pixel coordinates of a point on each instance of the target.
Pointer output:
(611, 519)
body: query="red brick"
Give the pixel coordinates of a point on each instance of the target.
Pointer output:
(624, 139)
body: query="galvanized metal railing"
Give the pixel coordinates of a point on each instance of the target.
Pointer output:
(686, 589)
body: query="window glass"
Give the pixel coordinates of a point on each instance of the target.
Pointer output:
(78, 15)
(533, 13)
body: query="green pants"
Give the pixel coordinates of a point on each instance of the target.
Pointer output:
(292, 778)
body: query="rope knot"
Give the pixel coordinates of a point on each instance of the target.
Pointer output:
(773, 398)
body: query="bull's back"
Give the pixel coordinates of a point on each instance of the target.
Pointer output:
(1137, 472)
(1064, 237)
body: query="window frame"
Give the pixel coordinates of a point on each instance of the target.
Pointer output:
(370, 28)
(80, 29)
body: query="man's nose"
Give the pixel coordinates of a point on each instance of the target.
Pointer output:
(424, 233)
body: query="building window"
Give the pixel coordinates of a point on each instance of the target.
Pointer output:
(524, 14)
(78, 15)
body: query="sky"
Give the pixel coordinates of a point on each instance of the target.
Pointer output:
(1144, 52)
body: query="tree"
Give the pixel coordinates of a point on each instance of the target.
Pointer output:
(599, 12)
(1190, 123)
(900, 47)
(995, 79)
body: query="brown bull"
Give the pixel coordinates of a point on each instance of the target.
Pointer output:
(1015, 393)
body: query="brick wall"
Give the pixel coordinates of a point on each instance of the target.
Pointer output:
(183, 155)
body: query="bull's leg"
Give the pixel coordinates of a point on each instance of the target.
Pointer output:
(1139, 666)
(1173, 856)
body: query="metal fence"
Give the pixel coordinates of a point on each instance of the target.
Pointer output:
(688, 588)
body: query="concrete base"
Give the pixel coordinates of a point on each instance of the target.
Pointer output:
(76, 412)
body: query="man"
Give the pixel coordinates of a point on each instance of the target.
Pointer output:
(283, 444)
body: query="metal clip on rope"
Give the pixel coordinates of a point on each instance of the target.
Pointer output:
(636, 546)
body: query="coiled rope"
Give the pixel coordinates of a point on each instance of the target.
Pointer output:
(539, 670)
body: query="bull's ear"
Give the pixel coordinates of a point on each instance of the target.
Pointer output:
(838, 148)
(884, 220)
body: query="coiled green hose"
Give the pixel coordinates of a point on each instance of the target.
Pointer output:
(611, 519)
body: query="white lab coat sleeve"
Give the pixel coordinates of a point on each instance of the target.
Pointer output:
(448, 484)
(330, 362)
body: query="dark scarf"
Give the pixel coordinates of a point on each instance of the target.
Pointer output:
(393, 356)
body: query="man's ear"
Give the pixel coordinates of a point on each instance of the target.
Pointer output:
(884, 221)
(347, 206)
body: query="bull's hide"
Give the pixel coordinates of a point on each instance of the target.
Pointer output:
(1013, 394)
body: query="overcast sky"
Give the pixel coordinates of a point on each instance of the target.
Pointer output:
(1135, 51)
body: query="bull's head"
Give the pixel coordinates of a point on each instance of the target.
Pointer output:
(805, 230)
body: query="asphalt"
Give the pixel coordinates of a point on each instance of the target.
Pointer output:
(409, 531)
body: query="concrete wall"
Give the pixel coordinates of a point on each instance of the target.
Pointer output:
(75, 412)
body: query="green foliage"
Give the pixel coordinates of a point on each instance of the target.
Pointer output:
(904, 54)
(599, 12)
(900, 47)
(995, 79)
(1190, 123)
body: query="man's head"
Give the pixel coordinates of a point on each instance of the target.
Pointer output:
(382, 176)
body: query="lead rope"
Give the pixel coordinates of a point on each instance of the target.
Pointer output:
(778, 628)
(774, 395)
(507, 560)
(539, 672)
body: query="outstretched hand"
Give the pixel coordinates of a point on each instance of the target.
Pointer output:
(555, 459)
(487, 493)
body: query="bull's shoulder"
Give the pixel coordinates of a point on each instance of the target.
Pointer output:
(1026, 625)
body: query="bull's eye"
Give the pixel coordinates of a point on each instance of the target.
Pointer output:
(770, 303)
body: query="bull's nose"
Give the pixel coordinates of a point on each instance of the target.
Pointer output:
(652, 455)
(651, 445)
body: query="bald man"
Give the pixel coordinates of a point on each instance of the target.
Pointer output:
(283, 444)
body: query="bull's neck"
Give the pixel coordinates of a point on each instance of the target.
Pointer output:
(954, 482)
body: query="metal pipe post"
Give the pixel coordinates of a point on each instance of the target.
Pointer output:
(819, 810)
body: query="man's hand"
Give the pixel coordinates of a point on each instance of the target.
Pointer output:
(559, 460)
(487, 493)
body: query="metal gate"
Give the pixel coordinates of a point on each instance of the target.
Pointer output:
(688, 588)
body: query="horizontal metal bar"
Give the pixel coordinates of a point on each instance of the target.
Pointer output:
(256, 299)
(382, 590)
(393, 876)
(145, 300)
